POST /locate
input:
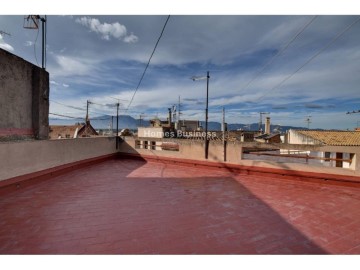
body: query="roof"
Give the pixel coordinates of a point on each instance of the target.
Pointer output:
(333, 137)
(267, 136)
(134, 207)
(55, 131)
(64, 131)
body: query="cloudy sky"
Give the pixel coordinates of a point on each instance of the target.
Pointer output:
(291, 66)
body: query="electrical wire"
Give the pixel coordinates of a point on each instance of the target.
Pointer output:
(69, 106)
(261, 70)
(81, 118)
(312, 57)
(280, 52)
(148, 63)
(67, 116)
(37, 35)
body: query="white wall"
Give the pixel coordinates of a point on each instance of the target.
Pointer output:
(18, 158)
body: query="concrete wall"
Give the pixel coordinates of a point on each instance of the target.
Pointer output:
(193, 149)
(296, 138)
(24, 102)
(189, 149)
(18, 158)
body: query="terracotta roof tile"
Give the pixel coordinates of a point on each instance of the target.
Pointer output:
(329, 137)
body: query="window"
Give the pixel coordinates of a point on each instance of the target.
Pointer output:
(153, 145)
(327, 156)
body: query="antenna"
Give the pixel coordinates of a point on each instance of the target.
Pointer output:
(32, 22)
(308, 120)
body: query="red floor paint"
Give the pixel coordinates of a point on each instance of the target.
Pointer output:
(133, 207)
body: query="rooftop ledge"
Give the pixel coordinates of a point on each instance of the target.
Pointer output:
(87, 197)
(26, 159)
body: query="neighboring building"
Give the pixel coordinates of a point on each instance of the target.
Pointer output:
(324, 137)
(24, 102)
(189, 125)
(328, 138)
(72, 132)
(268, 138)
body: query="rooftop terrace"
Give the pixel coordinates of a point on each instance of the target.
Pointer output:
(130, 206)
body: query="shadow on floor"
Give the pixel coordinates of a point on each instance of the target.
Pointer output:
(133, 207)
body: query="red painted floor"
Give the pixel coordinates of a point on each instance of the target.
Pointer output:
(133, 207)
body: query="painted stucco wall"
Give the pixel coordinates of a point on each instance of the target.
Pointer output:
(23, 157)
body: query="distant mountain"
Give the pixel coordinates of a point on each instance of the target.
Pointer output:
(216, 126)
(103, 122)
(126, 121)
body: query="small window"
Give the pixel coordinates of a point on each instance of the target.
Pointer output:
(67, 136)
(137, 144)
(153, 145)
(327, 156)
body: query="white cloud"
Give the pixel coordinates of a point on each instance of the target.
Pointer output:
(5, 45)
(65, 85)
(54, 83)
(131, 39)
(71, 66)
(107, 30)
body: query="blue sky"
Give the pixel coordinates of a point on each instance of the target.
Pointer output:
(256, 65)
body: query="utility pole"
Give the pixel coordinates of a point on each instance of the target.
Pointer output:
(117, 119)
(207, 117)
(179, 111)
(87, 111)
(195, 78)
(43, 21)
(117, 124)
(112, 125)
(224, 128)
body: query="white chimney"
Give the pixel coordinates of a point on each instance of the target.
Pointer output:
(267, 125)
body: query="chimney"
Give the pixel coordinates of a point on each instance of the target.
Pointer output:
(267, 125)
(169, 116)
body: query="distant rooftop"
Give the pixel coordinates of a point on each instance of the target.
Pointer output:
(329, 137)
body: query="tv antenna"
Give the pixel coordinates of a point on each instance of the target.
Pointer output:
(32, 22)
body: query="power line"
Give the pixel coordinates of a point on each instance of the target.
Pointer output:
(77, 108)
(276, 55)
(280, 52)
(148, 63)
(69, 106)
(80, 118)
(67, 116)
(313, 57)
